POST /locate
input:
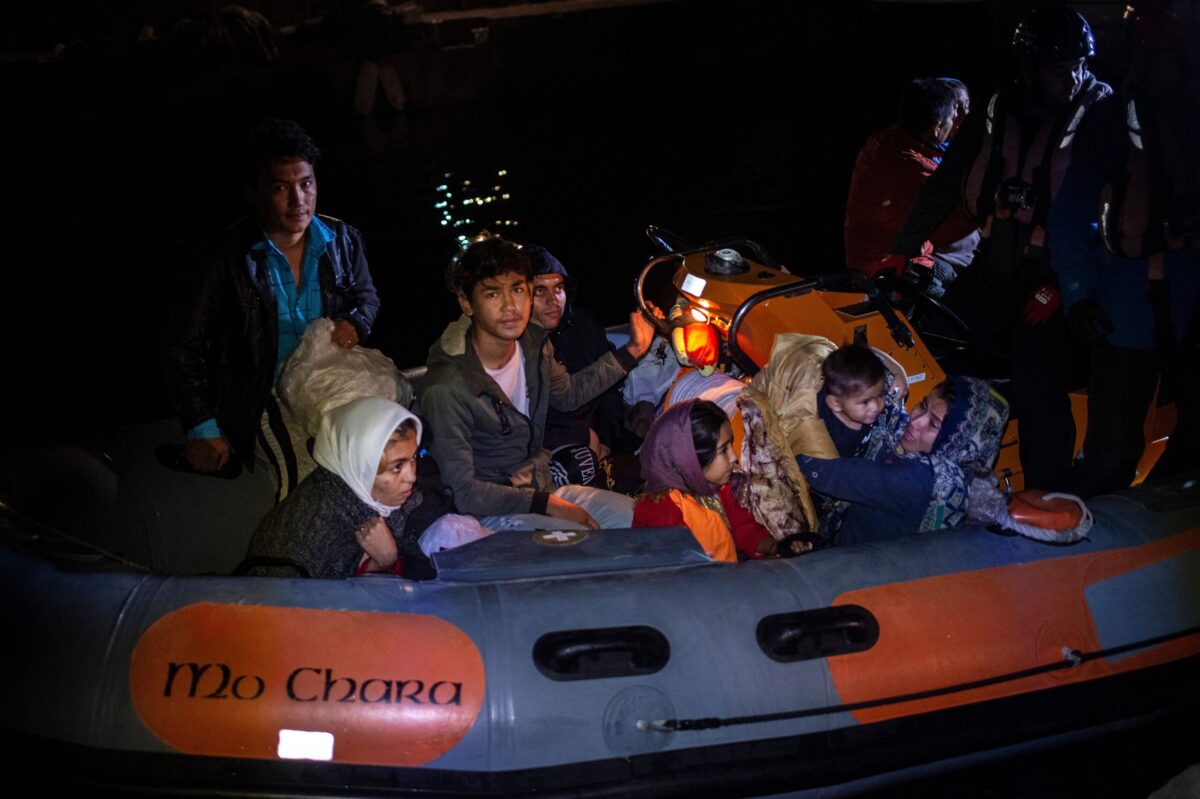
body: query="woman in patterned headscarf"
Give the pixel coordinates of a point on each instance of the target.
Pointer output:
(916, 470)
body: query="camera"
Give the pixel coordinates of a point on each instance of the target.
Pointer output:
(1014, 194)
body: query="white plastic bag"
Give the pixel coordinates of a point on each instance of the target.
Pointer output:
(653, 375)
(451, 531)
(320, 376)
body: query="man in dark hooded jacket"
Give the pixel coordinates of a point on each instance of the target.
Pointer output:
(578, 339)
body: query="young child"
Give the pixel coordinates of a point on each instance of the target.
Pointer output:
(914, 476)
(852, 397)
(687, 462)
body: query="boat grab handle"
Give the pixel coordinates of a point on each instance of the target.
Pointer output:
(809, 634)
(603, 652)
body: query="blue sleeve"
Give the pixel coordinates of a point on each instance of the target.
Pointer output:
(902, 488)
(206, 429)
(1074, 216)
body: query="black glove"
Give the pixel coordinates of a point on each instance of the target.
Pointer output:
(801, 544)
(915, 276)
(1088, 322)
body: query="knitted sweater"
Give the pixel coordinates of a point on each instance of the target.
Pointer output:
(314, 528)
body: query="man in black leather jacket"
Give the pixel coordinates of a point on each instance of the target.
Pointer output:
(225, 343)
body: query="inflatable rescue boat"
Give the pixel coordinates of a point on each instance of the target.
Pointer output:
(562, 663)
(609, 663)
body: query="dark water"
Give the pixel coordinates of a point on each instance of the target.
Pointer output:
(1121, 765)
(708, 118)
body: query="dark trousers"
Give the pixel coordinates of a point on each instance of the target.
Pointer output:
(1044, 364)
(1119, 394)
(1182, 384)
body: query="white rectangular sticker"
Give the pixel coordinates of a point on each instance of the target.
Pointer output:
(917, 378)
(694, 285)
(305, 745)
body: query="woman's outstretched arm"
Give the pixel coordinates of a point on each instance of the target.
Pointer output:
(902, 488)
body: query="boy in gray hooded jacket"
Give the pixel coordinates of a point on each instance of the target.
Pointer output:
(491, 381)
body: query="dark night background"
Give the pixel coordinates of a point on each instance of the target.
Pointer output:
(705, 117)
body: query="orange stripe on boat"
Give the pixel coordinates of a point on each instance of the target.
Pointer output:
(956, 628)
(375, 688)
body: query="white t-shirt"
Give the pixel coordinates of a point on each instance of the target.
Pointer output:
(511, 379)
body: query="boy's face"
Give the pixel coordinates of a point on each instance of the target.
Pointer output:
(859, 407)
(499, 306)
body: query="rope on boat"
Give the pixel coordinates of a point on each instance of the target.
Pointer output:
(1071, 659)
(988, 504)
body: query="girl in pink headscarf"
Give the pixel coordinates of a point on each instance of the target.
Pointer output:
(687, 462)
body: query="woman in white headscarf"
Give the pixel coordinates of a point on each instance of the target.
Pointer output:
(363, 509)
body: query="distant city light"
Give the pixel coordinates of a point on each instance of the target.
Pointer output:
(456, 195)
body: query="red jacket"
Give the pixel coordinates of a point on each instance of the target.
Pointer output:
(889, 172)
(662, 512)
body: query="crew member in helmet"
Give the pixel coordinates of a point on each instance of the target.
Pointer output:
(1004, 167)
(1125, 230)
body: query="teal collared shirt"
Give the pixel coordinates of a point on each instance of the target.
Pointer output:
(296, 306)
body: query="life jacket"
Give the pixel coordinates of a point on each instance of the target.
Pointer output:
(705, 518)
(1151, 204)
(1008, 182)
